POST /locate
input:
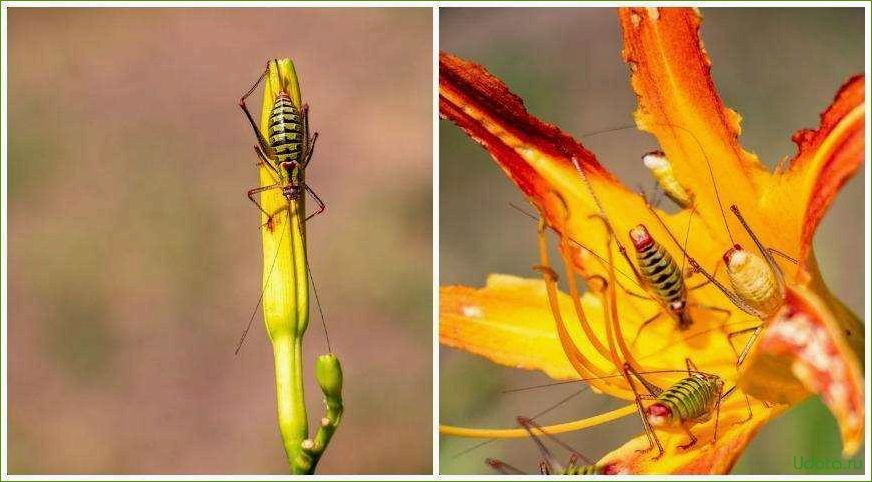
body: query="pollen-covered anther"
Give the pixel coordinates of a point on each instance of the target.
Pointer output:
(658, 414)
(641, 238)
(547, 271)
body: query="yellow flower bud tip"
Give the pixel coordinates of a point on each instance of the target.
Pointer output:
(328, 371)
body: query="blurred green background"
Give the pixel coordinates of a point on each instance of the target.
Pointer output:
(135, 258)
(779, 68)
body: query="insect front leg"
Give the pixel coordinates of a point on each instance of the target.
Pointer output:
(705, 282)
(273, 172)
(685, 426)
(653, 391)
(755, 332)
(691, 367)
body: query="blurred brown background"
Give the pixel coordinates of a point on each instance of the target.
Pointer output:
(779, 68)
(135, 258)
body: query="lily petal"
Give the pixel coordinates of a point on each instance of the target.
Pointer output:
(508, 322)
(805, 339)
(541, 160)
(828, 156)
(680, 106)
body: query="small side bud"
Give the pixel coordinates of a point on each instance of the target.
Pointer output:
(328, 371)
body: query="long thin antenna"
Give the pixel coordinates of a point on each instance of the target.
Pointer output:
(318, 303)
(686, 238)
(534, 417)
(577, 243)
(711, 174)
(260, 299)
(606, 131)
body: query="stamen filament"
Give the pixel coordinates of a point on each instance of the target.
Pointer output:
(574, 426)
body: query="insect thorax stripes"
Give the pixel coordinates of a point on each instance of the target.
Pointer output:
(286, 130)
(661, 272)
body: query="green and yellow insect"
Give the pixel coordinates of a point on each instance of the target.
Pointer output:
(284, 148)
(685, 403)
(287, 151)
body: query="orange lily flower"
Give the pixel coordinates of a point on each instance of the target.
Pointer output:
(810, 343)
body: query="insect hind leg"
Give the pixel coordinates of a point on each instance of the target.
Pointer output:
(264, 145)
(252, 192)
(321, 205)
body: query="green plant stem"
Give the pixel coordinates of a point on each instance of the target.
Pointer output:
(291, 404)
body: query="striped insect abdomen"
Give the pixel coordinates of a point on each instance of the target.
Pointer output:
(583, 470)
(692, 398)
(286, 130)
(657, 267)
